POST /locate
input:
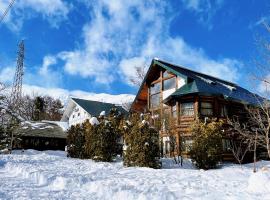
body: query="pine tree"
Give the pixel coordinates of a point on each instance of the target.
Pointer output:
(39, 108)
(142, 145)
(76, 142)
(4, 138)
(102, 140)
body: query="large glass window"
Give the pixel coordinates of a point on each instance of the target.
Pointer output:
(155, 100)
(169, 83)
(155, 88)
(167, 74)
(206, 108)
(187, 109)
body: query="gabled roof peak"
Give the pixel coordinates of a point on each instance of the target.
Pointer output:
(194, 72)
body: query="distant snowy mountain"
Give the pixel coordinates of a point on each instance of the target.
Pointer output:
(63, 94)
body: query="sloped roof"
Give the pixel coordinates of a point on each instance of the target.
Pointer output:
(204, 84)
(95, 107)
(40, 129)
(209, 85)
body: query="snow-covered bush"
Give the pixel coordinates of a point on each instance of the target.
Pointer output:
(94, 121)
(98, 140)
(142, 144)
(206, 150)
(76, 142)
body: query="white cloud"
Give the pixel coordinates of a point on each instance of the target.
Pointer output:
(7, 74)
(53, 11)
(47, 62)
(64, 94)
(125, 34)
(204, 9)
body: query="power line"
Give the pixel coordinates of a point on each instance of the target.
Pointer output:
(6, 11)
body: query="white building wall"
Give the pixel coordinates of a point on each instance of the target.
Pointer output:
(78, 116)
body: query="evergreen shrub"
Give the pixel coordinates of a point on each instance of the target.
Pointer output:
(206, 150)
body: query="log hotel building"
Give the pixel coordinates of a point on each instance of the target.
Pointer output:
(185, 96)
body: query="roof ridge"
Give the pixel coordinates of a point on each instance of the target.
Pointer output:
(92, 100)
(196, 72)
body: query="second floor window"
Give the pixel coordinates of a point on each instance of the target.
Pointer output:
(187, 109)
(155, 100)
(155, 91)
(169, 83)
(206, 108)
(155, 88)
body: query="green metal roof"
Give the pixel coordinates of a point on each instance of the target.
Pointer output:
(194, 87)
(204, 84)
(94, 108)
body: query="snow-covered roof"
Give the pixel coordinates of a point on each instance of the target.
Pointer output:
(94, 108)
(40, 129)
(197, 82)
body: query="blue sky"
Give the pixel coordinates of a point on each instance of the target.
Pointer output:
(93, 46)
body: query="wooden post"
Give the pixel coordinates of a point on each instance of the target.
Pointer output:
(196, 107)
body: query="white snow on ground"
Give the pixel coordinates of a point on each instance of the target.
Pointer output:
(50, 175)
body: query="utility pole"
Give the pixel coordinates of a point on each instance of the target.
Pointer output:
(6, 11)
(17, 83)
(16, 94)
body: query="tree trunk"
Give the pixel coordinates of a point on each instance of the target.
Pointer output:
(254, 155)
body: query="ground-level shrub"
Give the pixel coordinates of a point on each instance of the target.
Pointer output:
(206, 150)
(142, 143)
(76, 142)
(97, 139)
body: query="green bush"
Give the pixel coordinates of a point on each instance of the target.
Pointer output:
(99, 142)
(76, 142)
(206, 150)
(142, 143)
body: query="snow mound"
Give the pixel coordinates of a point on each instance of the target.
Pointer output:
(94, 121)
(102, 113)
(51, 175)
(259, 182)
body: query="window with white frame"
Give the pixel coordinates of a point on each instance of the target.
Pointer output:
(206, 108)
(187, 109)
